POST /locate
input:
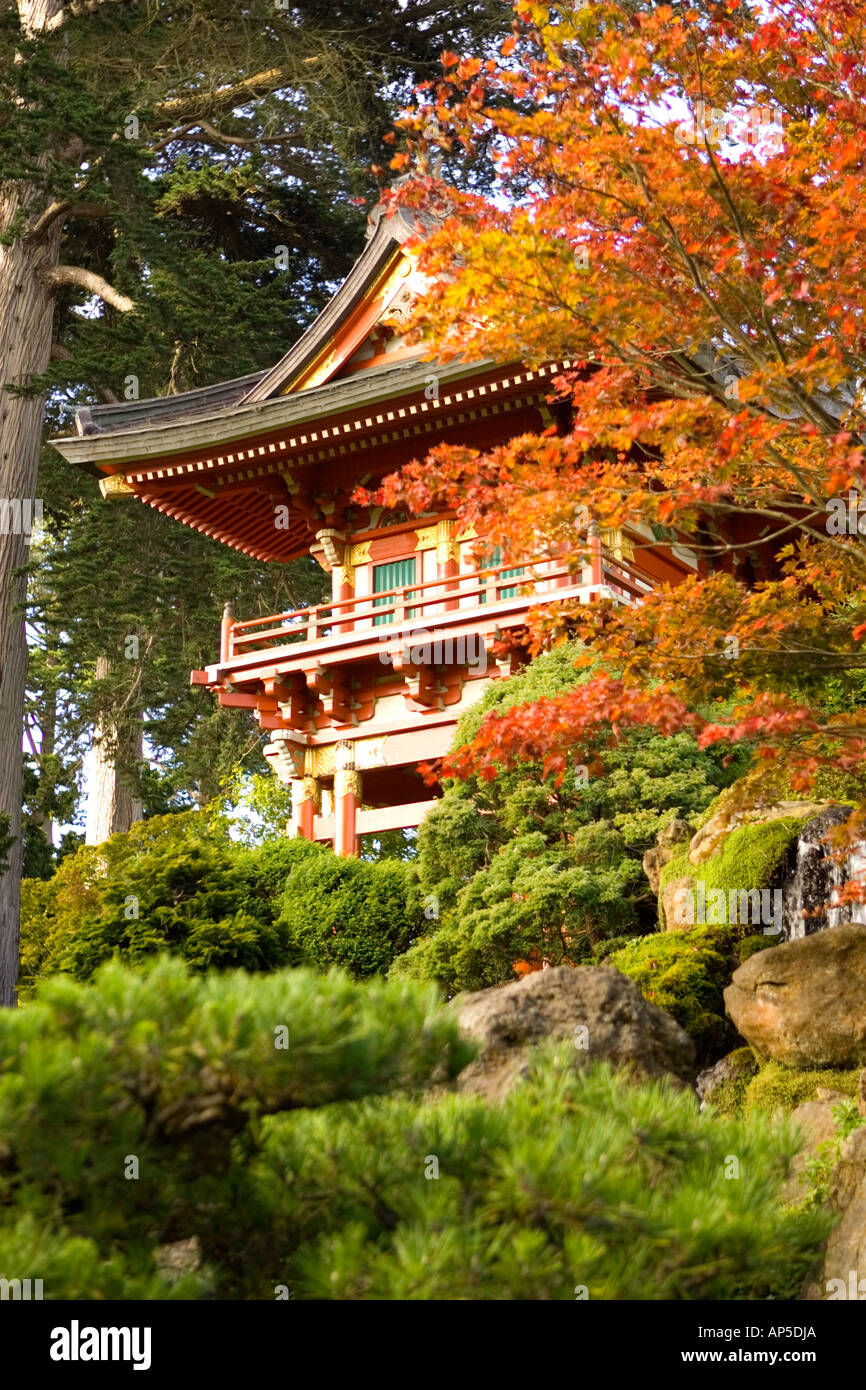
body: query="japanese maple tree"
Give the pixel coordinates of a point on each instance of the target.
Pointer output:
(679, 223)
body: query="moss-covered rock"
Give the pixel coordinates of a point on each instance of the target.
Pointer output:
(685, 974)
(751, 856)
(726, 1091)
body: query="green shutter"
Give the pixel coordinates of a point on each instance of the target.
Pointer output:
(491, 562)
(397, 574)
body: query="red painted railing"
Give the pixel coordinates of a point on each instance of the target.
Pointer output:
(476, 590)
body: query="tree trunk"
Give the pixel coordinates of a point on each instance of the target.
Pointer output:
(26, 315)
(111, 807)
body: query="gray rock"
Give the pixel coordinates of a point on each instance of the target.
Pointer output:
(599, 1009)
(844, 1266)
(817, 1123)
(676, 832)
(736, 1064)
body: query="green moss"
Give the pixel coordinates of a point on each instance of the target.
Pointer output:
(750, 855)
(781, 1088)
(685, 974)
(751, 945)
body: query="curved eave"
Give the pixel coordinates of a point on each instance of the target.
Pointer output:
(118, 450)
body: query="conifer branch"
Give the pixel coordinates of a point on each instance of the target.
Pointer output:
(60, 275)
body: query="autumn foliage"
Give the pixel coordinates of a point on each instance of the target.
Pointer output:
(680, 223)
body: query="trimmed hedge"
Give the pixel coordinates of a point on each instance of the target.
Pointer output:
(181, 884)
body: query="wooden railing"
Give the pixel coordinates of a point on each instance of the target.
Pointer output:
(416, 603)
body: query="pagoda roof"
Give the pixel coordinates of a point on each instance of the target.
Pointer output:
(136, 429)
(348, 403)
(151, 431)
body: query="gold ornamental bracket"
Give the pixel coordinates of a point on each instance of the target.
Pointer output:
(619, 545)
(442, 538)
(308, 790)
(115, 485)
(347, 782)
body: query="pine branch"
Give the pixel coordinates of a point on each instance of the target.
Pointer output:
(59, 353)
(203, 132)
(65, 209)
(60, 275)
(186, 108)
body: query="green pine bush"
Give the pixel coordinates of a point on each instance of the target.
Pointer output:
(238, 1114)
(130, 1107)
(180, 883)
(171, 883)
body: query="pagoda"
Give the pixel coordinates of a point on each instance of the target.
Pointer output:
(356, 692)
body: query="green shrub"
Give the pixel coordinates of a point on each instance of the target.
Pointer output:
(533, 901)
(348, 912)
(184, 898)
(276, 1163)
(264, 871)
(53, 910)
(180, 883)
(525, 869)
(647, 779)
(171, 883)
(577, 1180)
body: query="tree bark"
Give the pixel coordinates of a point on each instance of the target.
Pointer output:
(111, 807)
(26, 314)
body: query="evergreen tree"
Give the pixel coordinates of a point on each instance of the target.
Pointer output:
(176, 199)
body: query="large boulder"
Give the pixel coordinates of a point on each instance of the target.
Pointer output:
(803, 1003)
(600, 1010)
(732, 854)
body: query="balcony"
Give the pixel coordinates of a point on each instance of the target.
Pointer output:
(371, 627)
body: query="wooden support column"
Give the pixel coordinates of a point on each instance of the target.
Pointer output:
(347, 799)
(343, 587)
(448, 560)
(306, 799)
(333, 553)
(226, 632)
